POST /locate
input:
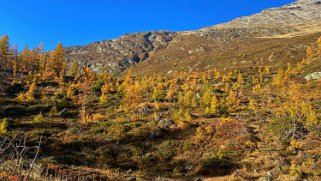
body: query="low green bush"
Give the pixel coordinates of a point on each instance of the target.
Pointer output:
(218, 159)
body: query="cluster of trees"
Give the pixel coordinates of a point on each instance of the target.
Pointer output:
(275, 95)
(314, 50)
(204, 94)
(49, 64)
(210, 93)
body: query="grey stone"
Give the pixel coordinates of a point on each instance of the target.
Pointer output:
(165, 123)
(118, 54)
(313, 76)
(64, 112)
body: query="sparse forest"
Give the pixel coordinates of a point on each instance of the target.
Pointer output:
(259, 122)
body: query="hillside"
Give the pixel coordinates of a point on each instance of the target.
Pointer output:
(262, 124)
(271, 37)
(268, 38)
(118, 54)
(238, 101)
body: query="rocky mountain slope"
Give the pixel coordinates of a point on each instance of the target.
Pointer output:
(118, 54)
(301, 12)
(272, 37)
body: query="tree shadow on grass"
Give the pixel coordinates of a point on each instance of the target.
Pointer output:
(134, 152)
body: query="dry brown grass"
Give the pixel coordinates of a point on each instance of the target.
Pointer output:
(243, 53)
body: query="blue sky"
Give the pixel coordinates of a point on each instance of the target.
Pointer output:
(79, 22)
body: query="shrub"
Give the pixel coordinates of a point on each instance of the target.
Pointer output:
(279, 125)
(34, 109)
(61, 103)
(29, 96)
(222, 110)
(104, 94)
(98, 118)
(117, 132)
(214, 104)
(312, 118)
(166, 149)
(140, 132)
(97, 86)
(182, 118)
(219, 159)
(21, 98)
(252, 104)
(53, 111)
(39, 118)
(3, 126)
(295, 171)
(206, 98)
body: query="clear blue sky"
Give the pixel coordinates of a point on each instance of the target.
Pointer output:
(79, 22)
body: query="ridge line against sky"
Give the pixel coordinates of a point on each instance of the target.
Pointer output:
(82, 22)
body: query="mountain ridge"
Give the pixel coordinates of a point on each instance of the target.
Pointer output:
(120, 52)
(296, 19)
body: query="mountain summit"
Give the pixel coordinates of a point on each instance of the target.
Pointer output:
(266, 38)
(294, 14)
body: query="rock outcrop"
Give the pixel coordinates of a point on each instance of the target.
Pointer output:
(313, 76)
(298, 13)
(118, 54)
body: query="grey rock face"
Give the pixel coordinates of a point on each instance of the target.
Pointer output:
(283, 20)
(118, 54)
(296, 13)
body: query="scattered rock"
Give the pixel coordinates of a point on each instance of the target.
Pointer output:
(268, 177)
(157, 117)
(64, 112)
(296, 13)
(165, 123)
(145, 110)
(313, 76)
(297, 132)
(118, 54)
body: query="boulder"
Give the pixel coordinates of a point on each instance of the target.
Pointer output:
(313, 76)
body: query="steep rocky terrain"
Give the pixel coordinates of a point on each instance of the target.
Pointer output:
(302, 12)
(272, 37)
(116, 55)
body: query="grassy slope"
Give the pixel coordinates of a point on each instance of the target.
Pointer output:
(243, 53)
